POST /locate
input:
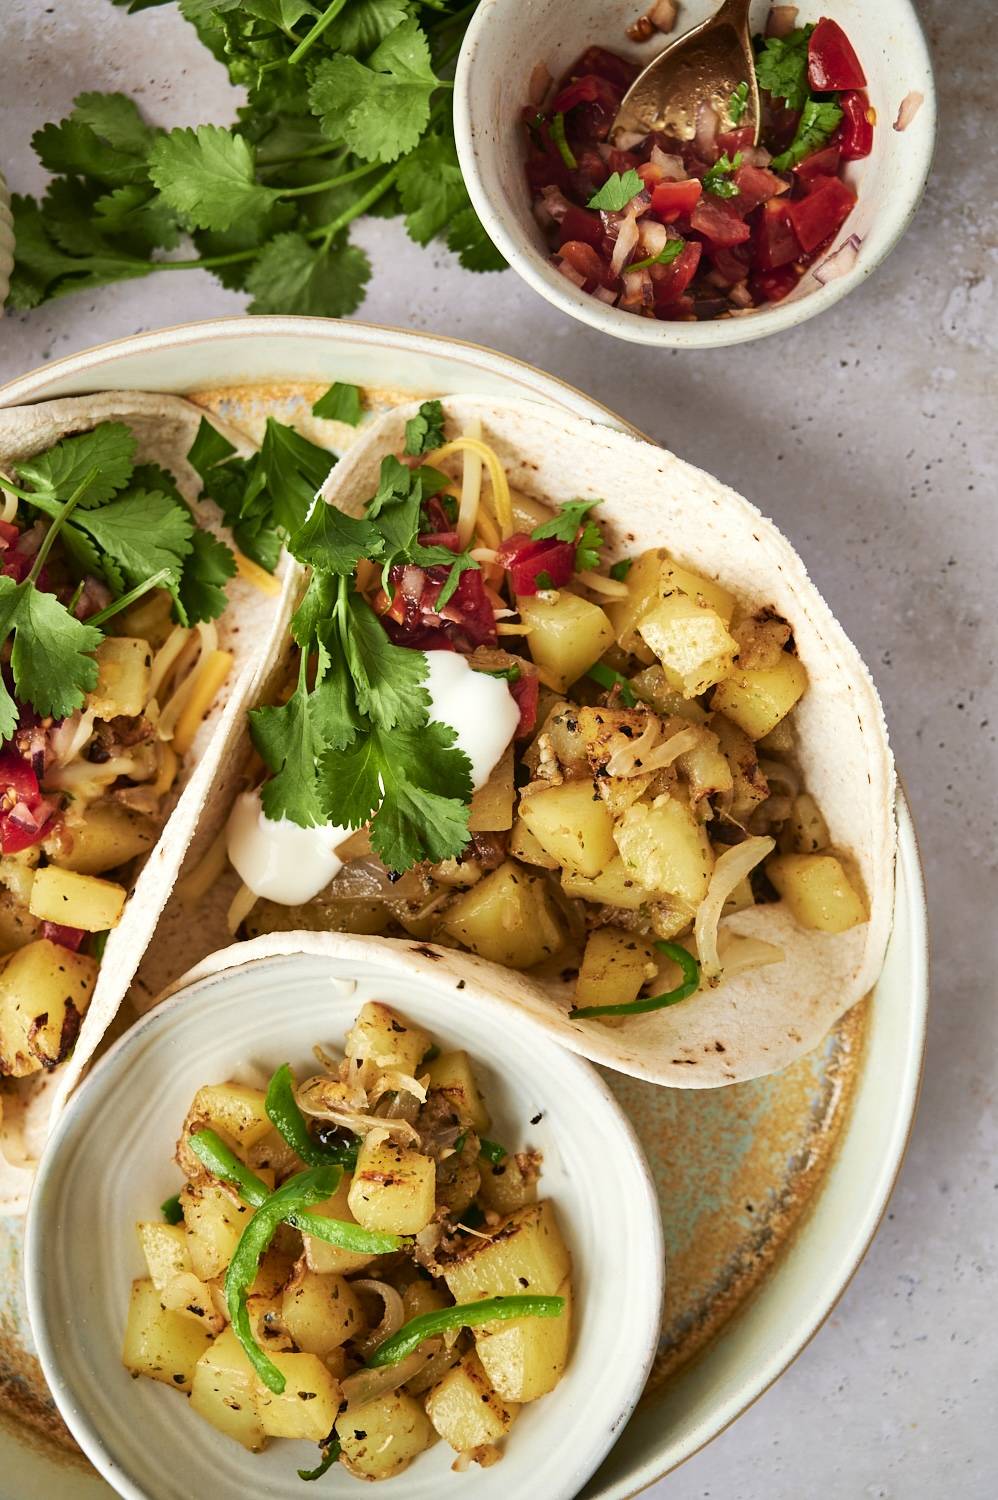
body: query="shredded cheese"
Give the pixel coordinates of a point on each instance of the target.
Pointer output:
(207, 681)
(240, 907)
(471, 487)
(254, 574)
(210, 869)
(167, 773)
(601, 585)
(500, 486)
(503, 629)
(166, 657)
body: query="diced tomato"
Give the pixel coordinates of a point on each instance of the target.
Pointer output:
(525, 558)
(730, 141)
(66, 937)
(448, 539)
(731, 262)
(590, 174)
(581, 224)
(774, 242)
(831, 61)
(470, 610)
(855, 137)
(18, 782)
(588, 90)
(8, 534)
(822, 213)
(650, 175)
(773, 286)
(16, 565)
(670, 200)
(609, 65)
(546, 169)
(24, 812)
(719, 221)
(670, 282)
(823, 163)
(584, 259)
(756, 185)
(622, 161)
(526, 691)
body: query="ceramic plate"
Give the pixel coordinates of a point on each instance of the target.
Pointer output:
(770, 1191)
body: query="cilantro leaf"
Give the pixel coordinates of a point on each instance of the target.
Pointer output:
(738, 103)
(565, 524)
(427, 789)
(620, 570)
(588, 548)
(210, 447)
(470, 243)
(140, 533)
(50, 658)
(669, 252)
(617, 191)
(333, 704)
(42, 270)
(388, 679)
(718, 179)
(363, 24)
(431, 189)
(289, 745)
(55, 474)
(104, 138)
(350, 782)
(295, 470)
(201, 594)
(316, 608)
(332, 540)
(395, 483)
(208, 176)
(781, 67)
(425, 431)
(293, 276)
(380, 108)
(141, 218)
(459, 562)
(341, 403)
(817, 123)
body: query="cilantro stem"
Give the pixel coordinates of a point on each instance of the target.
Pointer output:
(117, 605)
(690, 970)
(49, 539)
(329, 182)
(326, 19)
(328, 232)
(8, 484)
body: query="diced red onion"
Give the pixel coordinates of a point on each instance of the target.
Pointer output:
(756, 156)
(626, 140)
(604, 148)
(653, 236)
(839, 262)
(555, 202)
(604, 294)
(571, 274)
(910, 105)
(741, 296)
(627, 238)
(540, 82)
(671, 167)
(705, 139)
(94, 596)
(412, 582)
(638, 290)
(662, 14)
(781, 20)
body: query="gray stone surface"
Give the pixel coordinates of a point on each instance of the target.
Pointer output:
(869, 434)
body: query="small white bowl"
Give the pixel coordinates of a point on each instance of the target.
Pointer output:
(109, 1163)
(507, 38)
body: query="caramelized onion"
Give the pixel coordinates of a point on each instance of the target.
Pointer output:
(731, 868)
(392, 1318)
(367, 1385)
(739, 953)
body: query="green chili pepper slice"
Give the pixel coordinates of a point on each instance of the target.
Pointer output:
(557, 128)
(492, 1151)
(691, 983)
(348, 1236)
(330, 1453)
(172, 1211)
(284, 1114)
(212, 1152)
(609, 679)
(465, 1315)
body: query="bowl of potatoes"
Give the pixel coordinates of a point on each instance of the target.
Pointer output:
(342, 1218)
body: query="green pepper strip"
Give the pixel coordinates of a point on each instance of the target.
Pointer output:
(608, 679)
(284, 1114)
(330, 1453)
(691, 982)
(492, 1151)
(172, 1211)
(465, 1315)
(557, 127)
(212, 1152)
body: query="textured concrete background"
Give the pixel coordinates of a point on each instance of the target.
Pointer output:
(870, 435)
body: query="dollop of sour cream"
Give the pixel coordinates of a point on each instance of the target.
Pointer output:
(282, 862)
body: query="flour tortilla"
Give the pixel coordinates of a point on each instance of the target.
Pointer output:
(762, 1019)
(165, 427)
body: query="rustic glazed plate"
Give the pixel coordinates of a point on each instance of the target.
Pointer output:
(770, 1191)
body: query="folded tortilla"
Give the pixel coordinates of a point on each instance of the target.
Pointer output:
(165, 428)
(761, 1019)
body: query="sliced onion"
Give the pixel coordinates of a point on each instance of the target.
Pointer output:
(739, 953)
(367, 1385)
(570, 273)
(705, 138)
(910, 105)
(392, 1081)
(392, 1318)
(9, 506)
(653, 236)
(626, 140)
(756, 156)
(731, 868)
(69, 737)
(777, 773)
(613, 588)
(326, 1099)
(540, 82)
(627, 238)
(671, 167)
(638, 290)
(782, 20)
(840, 262)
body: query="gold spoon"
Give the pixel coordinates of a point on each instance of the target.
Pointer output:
(704, 66)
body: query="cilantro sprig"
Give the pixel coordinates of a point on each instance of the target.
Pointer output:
(617, 191)
(718, 179)
(348, 112)
(573, 523)
(817, 124)
(781, 67)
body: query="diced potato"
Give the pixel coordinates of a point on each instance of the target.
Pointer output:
(17, 926)
(324, 1257)
(523, 845)
(321, 1312)
(492, 805)
(382, 1437)
(817, 890)
(665, 846)
(192, 1298)
(505, 1186)
(566, 635)
(507, 917)
(213, 1222)
(224, 1392)
(616, 885)
(614, 967)
(605, 730)
(749, 786)
(560, 734)
(652, 577)
(761, 639)
(105, 836)
(76, 900)
(353, 902)
(652, 686)
(275, 1268)
(573, 824)
(165, 1249)
(44, 990)
(757, 700)
(779, 741)
(466, 1410)
(267, 1323)
(380, 1039)
(459, 1178)
(690, 641)
(308, 1406)
(706, 770)
(123, 664)
(421, 1296)
(451, 1075)
(805, 831)
(17, 872)
(233, 1109)
(528, 513)
(163, 1345)
(393, 1187)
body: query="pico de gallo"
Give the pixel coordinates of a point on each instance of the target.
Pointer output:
(714, 226)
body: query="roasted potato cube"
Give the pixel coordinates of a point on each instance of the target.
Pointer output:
(566, 635)
(309, 1403)
(382, 1437)
(321, 1312)
(805, 831)
(192, 1298)
(380, 1040)
(235, 1110)
(817, 890)
(757, 700)
(526, 1357)
(18, 927)
(422, 1296)
(393, 1187)
(324, 1257)
(573, 823)
(706, 770)
(614, 886)
(105, 836)
(761, 639)
(161, 1344)
(451, 1075)
(505, 1186)
(690, 641)
(123, 664)
(507, 917)
(267, 1322)
(523, 845)
(213, 1222)
(492, 805)
(165, 1249)
(560, 735)
(614, 967)
(652, 577)
(44, 990)
(749, 786)
(528, 513)
(466, 1410)
(76, 900)
(225, 1392)
(652, 686)
(666, 847)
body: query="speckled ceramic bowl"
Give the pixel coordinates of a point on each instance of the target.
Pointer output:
(507, 38)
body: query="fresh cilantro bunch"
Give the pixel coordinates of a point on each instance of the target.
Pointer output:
(781, 68)
(348, 113)
(354, 744)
